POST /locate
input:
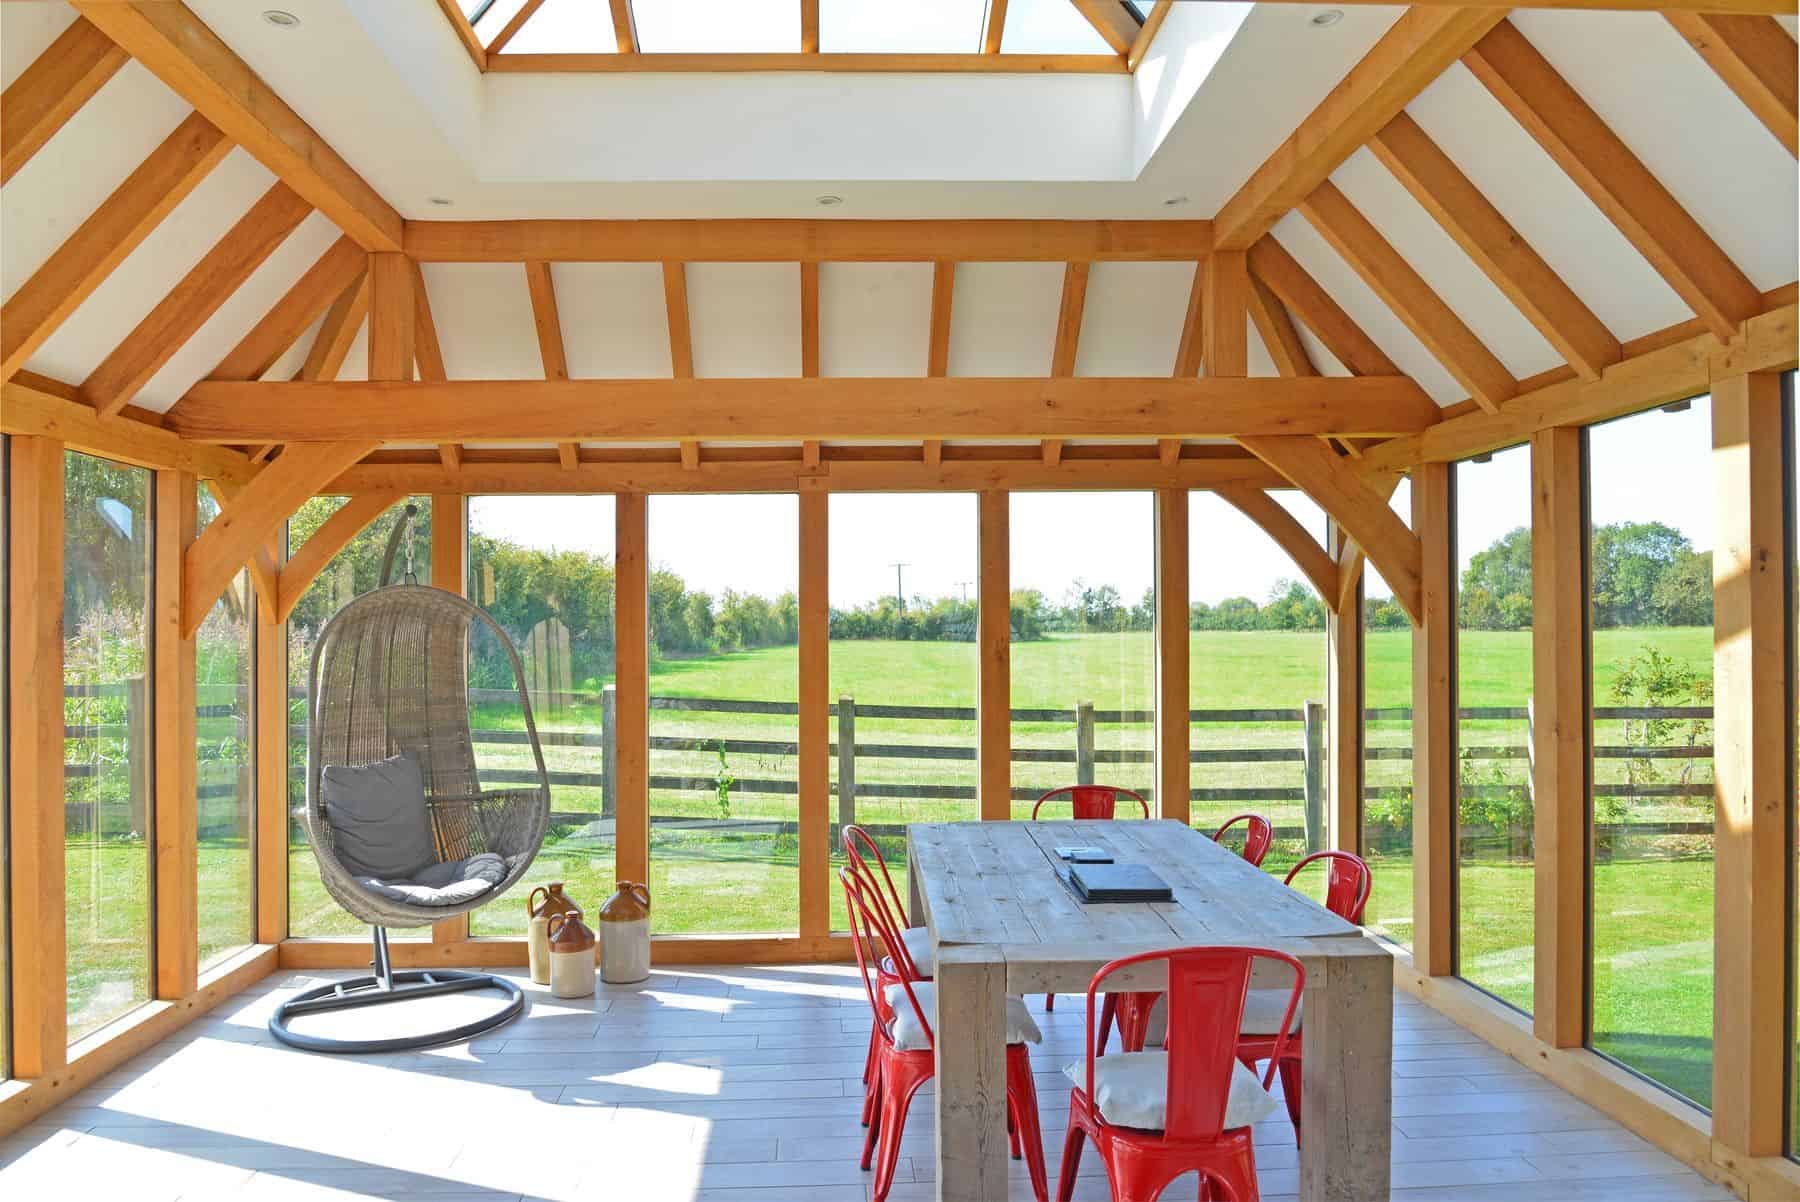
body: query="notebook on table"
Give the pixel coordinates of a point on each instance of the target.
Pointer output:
(1084, 855)
(1118, 883)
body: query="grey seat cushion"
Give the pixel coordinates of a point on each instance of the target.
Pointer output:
(449, 884)
(379, 827)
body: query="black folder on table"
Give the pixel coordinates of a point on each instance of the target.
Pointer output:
(1118, 883)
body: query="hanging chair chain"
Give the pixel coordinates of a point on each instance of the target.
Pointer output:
(411, 576)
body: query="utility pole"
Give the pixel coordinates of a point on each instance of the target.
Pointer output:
(899, 588)
(964, 586)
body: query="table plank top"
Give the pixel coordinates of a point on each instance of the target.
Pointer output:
(1001, 883)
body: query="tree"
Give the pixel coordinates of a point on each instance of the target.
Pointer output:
(1497, 584)
(1625, 561)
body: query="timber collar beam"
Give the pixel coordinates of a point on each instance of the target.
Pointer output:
(218, 411)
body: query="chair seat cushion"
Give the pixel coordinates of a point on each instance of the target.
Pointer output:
(377, 816)
(918, 946)
(909, 1036)
(448, 884)
(1131, 1090)
(1263, 1009)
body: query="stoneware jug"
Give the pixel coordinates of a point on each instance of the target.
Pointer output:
(571, 956)
(625, 935)
(545, 902)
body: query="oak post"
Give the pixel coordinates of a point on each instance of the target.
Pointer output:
(993, 685)
(450, 572)
(1434, 727)
(815, 716)
(1174, 774)
(1084, 742)
(631, 675)
(176, 826)
(270, 715)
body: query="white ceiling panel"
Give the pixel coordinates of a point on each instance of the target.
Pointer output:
(1261, 362)
(745, 318)
(1323, 360)
(150, 271)
(356, 363)
(1366, 309)
(1131, 324)
(1003, 319)
(26, 30)
(483, 316)
(1545, 206)
(294, 358)
(1435, 255)
(874, 319)
(1693, 134)
(615, 324)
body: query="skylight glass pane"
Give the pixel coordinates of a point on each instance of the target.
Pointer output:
(1049, 27)
(1142, 8)
(717, 26)
(567, 27)
(915, 27)
(488, 24)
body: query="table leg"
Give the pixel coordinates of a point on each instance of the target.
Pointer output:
(971, 1074)
(1346, 1114)
(915, 904)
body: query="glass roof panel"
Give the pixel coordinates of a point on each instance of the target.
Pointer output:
(1049, 27)
(914, 27)
(1142, 8)
(566, 27)
(490, 19)
(717, 26)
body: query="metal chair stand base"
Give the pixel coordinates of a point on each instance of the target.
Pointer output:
(387, 987)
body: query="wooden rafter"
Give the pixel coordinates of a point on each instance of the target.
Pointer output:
(1193, 328)
(1068, 319)
(511, 29)
(548, 321)
(681, 336)
(1276, 329)
(993, 27)
(1756, 60)
(178, 48)
(256, 352)
(345, 523)
(1415, 50)
(465, 33)
(809, 319)
(809, 26)
(805, 240)
(1140, 45)
(1497, 248)
(1111, 20)
(906, 409)
(906, 64)
(943, 296)
(179, 315)
(50, 91)
(1316, 470)
(624, 26)
(123, 220)
(1413, 301)
(1614, 178)
(1314, 562)
(1333, 327)
(428, 355)
(337, 332)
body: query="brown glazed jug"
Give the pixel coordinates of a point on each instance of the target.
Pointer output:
(545, 903)
(571, 956)
(625, 935)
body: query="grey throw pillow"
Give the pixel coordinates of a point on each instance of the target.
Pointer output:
(449, 884)
(377, 815)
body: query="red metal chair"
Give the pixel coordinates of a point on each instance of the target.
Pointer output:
(1347, 886)
(1258, 835)
(1206, 990)
(907, 1055)
(1091, 801)
(904, 964)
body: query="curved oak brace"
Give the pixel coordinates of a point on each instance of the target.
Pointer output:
(262, 562)
(305, 565)
(1349, 555)
(252, 517)
(1280, 525)
(1339, 490)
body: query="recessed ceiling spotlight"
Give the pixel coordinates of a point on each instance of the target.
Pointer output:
(828, 200)
(1329, 16)
(441, 200)
(280, 18)
(1172, 201)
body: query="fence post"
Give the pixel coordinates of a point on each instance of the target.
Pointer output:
(1314, 752)
(137, 742)
(609, 749)
(846, 741)
(1084, 742)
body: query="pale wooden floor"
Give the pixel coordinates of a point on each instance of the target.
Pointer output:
(723, 1084)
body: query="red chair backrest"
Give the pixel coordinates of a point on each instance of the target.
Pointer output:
(1206, 987)
(1091, 801)
(1258, 835)
(859, 848)
(1347, 883)
(873, 937)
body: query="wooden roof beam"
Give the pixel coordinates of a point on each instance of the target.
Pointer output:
(681, 335)
(809, 319)
(123, 220)
(1497, 248)
(624, 26)
(1140, 45)
(1404, 291)
(993, 28)
(1276, 329)
(511, 29)
(178, 48)
(809, 26)
(943, 296)
(1415, 50)
(1116, 24)
(547, 319)
(52, 89)
(1271, 264)
(829, 61)
(32, 404)
(465, 33)
(428, 356)
(724, 410)
(1614, 178)
(337, 333)
(1756, 60)
(326, 280)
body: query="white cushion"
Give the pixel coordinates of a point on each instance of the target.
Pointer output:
(1263, 1009)
(1131, 1090)
(918, 946)
(909, 1036)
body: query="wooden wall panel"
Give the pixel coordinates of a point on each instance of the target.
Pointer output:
(1434, 727)
(815, 715)
(1173, 773)
(993, 685)
(631, 682)
(176, 825)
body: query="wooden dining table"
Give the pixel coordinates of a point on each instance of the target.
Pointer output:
(1004, 921)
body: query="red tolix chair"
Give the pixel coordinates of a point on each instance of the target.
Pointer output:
(1347, 886)
(912, 958)
(1258, 835)
(1088, 803)
(1153, 1116)
(906, 1051)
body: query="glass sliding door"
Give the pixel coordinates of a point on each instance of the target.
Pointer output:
(1650, 609)
(107, 693)
(1083, 652)
(225, 775)
(903, 659)
(1495, 885)
(1387, 749)
(542, 567)
(724, 713)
